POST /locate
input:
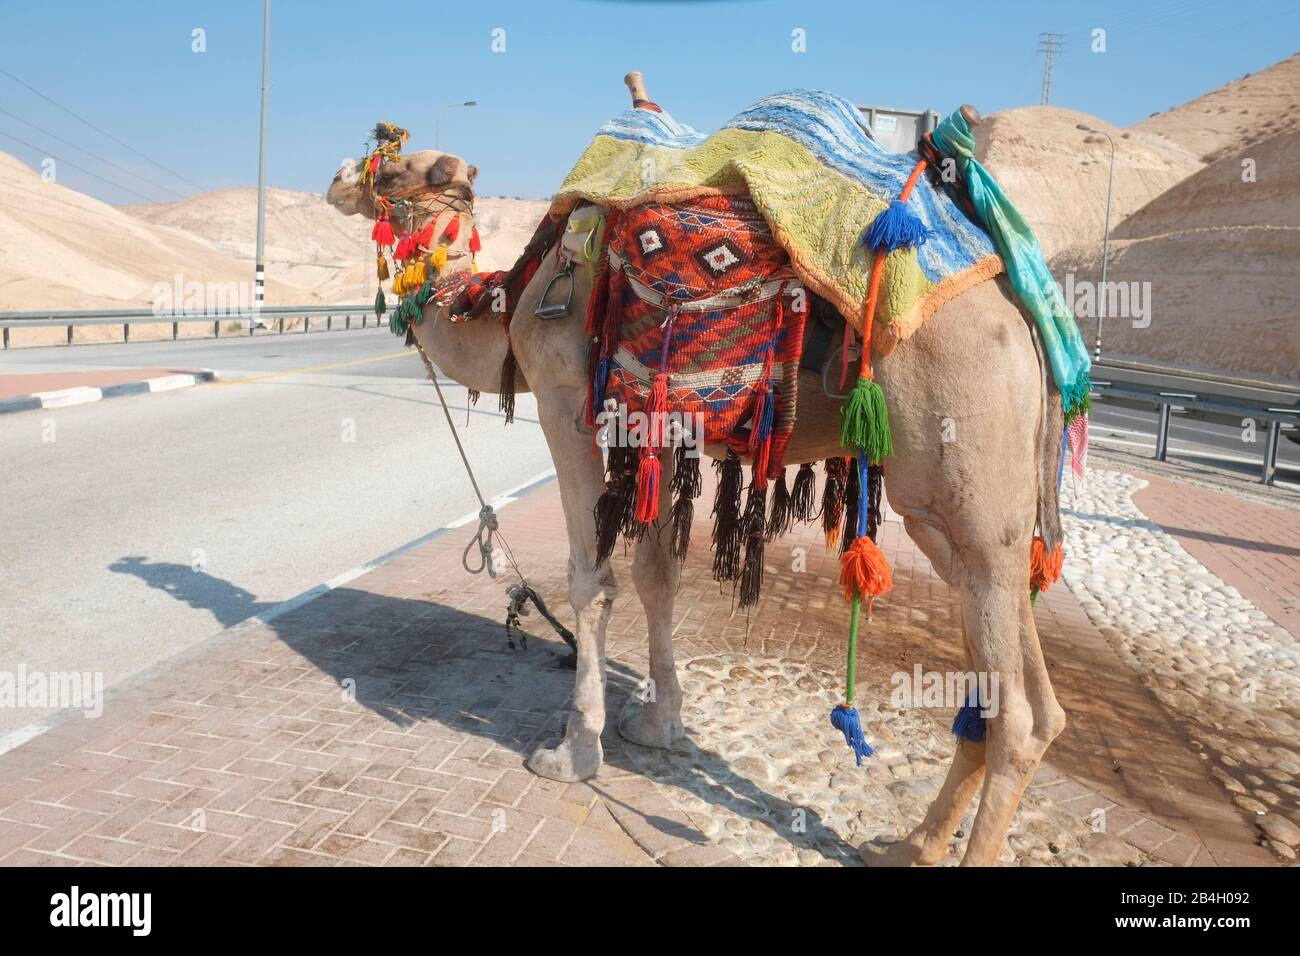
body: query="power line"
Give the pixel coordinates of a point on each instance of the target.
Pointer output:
(68, 162)
(1049, 44)
(101, 131)
(107, 162)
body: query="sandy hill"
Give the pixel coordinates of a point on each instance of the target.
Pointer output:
(308, 244)
(1056, 174)
(1222, 257)
(1255, 107)
(62, 249)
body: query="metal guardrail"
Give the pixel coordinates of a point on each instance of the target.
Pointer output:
(1206, 397)
(128, 317)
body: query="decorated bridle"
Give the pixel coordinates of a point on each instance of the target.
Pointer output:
(419, 256)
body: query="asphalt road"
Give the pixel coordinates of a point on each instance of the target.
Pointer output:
(134, 527)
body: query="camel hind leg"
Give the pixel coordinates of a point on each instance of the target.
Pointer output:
(969, 429)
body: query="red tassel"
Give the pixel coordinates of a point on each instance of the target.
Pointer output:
(452, 230)
(1044, 568)
(648, 471)
(382, 233)
(864, 568)
(656, 411)
(474, 244)
(405, 248)
(425, 236)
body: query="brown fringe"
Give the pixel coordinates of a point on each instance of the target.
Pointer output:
(508, 368)
(875, 479)
(727, 531)
(751, 575)
(685, 485)
(852, 491)
(683, 513)
(410, 335)
(781, 518)
(837, 477)
(473, 396)
(803, 494)
(615, 502)
(686, 474)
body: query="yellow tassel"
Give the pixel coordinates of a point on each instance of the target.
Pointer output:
(438, 258)
(417, 273)
(382, 268)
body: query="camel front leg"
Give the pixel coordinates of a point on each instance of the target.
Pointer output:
(654, 718)
(591, 588)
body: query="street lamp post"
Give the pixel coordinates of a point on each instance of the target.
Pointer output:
(1105, 239)
(259, 274)
(437, 135)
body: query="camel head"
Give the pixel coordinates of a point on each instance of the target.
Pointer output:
(425, 173)
(418, 188)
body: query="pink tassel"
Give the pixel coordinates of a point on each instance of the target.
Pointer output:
(1078, 433)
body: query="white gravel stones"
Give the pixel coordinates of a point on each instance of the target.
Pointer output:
(1216, 660)
(763, 773)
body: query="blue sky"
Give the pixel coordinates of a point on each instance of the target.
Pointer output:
(338, 67)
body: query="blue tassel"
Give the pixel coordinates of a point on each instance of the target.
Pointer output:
(767, 414)
(600, 381)
(845, 719)
(968, 724)
(897, 227)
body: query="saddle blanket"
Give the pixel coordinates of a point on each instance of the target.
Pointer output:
(701, 295)
(814, 171)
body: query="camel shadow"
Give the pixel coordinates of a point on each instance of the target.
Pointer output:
(411, 660)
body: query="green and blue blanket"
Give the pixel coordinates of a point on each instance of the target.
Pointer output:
(814, 170)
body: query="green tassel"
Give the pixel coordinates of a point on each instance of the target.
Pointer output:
(380, 305)
(423, 296)
(864, 421)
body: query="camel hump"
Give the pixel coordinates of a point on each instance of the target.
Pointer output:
(636, 86)
(971, 114)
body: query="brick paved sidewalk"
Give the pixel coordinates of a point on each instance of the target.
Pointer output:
(1251, 546)
(387, 723)
(31, 383)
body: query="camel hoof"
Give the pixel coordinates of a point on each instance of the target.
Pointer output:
(909, 851)
(567, 763)
(646, 726)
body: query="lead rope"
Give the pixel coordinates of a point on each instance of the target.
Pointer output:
(488, 529)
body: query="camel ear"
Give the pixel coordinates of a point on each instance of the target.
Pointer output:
(471, 172)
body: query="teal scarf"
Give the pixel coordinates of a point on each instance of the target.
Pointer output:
(1026, 268)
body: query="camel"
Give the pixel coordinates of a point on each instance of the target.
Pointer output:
(970, 503)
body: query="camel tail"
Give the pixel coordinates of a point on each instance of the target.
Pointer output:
(1049, 458)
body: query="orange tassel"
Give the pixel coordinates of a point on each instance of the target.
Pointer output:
(865, 569)
(1044, 568)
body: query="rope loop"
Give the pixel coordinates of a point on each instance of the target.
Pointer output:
(487, 526)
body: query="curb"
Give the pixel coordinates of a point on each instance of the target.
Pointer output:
(80, 395)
